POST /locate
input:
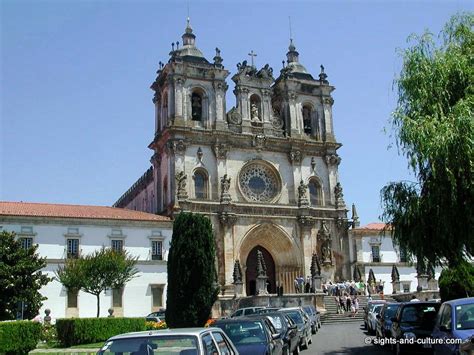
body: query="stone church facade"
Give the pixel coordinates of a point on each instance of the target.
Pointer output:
(265, 171)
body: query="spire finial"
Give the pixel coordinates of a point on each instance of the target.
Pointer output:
(252, 54)
(291, 34)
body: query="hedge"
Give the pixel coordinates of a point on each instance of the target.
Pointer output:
(19, 337)
(76, 331)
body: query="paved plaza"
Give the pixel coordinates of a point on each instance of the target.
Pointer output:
(343, 338)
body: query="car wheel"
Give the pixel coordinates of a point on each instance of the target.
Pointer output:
(297, 350)
(304, 346)
(313, 329)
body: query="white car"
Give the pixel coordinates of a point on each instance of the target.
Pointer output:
(372, 318)
(184, 341)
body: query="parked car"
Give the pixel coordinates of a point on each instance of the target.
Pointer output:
(245, 311)
(455, 320)
(303, 322)
(384, 319)
(372, 318)
(414, 320)
(267, 310)
(252, 335)
(287, 329)
(313, 314)
(369, 307)
(184, 341)
(156, 316)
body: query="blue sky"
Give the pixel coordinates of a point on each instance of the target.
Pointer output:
(76, 109)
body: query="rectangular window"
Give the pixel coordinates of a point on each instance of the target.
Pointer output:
(73, 248)
(72, 298)
(406, 286)
(157, 295)
(403, 255)
(156, 250)
(117, 297)
(375, 253)
(26, 243)
(117, 245)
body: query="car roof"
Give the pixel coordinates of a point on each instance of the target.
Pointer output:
(250, 318)
(290, 309)
(164, 332)
(460, 301)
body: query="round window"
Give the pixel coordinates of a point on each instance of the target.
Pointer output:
(259, 182)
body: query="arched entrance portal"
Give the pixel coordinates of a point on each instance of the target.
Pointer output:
(251, 271)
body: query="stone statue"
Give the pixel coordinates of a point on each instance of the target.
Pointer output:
(326, 251)
(254, 112)
(265, 73)
(277, 122)
(111, 313)
(234, 117)
(225, 186)
(339, 196)
(181, 182)
(357, 276)
(302, 195)
(47, 318)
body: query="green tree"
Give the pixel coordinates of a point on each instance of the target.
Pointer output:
(20, 278)
(94, 273)
(432, 218)
(192, 286)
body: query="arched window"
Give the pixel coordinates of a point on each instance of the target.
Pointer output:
(200, 184)
(307, 126)
(255, 110)
(315, 193)
(196, 106)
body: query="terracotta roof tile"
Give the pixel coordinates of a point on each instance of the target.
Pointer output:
(28, 209)
(372, 226)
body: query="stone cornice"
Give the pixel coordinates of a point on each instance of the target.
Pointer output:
(244, 141)
(139, 262)
(84, 222)
(383, 264)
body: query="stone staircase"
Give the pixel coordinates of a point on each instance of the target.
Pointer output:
(331, 316)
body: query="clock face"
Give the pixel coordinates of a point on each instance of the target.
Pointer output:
(258, 182)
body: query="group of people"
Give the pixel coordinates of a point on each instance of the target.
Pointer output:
(352, 288)
(346, 303)
(302, 286)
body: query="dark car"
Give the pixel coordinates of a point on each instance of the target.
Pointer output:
(414, 320)
(287, 329)
(313, 314)
(245, 311)
(303, 322)
(455, 320)
(384, 319)
(252, 335)
(370, 306)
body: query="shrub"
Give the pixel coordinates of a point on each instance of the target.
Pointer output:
(457, 282)
(77, 331)
(19, 337)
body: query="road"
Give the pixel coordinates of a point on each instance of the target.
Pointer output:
(343, 338)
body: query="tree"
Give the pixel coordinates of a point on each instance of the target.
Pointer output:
(192, 286)
(94, 273)
(20, 278)
(432, 218)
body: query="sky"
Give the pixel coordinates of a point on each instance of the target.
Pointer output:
(76, 105)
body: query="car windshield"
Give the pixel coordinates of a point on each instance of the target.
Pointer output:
(420, 315)
(308, 310)
(390, 311)
(245, 332)
(168, 344)
(465, 316)
(377, 308)
(296, 317)
(277, 322)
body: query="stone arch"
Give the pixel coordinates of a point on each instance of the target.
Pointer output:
(198, 99)
(200, 176)
(286, 253)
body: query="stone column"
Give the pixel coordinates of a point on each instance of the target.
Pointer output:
(396, 287)
(220, 89)
(261, 284)
(306, 225)
(422, 282)
(227, 221)
(295, 127)
(327, 107)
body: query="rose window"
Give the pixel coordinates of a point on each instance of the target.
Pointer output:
(259, 182)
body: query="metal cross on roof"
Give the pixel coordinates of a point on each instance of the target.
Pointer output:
(252, 54)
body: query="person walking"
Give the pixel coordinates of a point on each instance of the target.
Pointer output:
(348, 303)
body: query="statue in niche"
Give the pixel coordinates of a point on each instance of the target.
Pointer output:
(196, 106)
(326, 251)
(254, 112)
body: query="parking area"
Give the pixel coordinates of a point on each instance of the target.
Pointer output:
(344, 338)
